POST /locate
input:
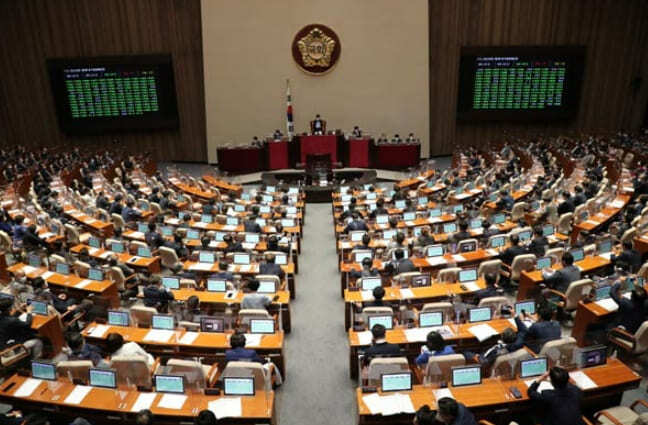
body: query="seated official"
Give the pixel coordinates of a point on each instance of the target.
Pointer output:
(632, 312)
(156, 295)
(462, 234)
(559, 406)
(116, 206)
(249, 224)
(435, 346)
(254, 300)
(129, 213)
(402, 264)
(629, 256)
(425, 238)
(505, 345)
(512, 251)
(380, 209)
(116, 347)
(232, 245)
(379, 346)
(223, 272)
(560, 279)
(367, 270)
(270, 268)
(539, 243)
(505, 201)
(178, 270)
(190, 311)
(567, 205)
(238, 352)
(356, 223)
(273, 245)
(366, 241)
(491, 289)
(31, 240)
(79, 349)
(152, 237)
(318, 125)
(14, 330)
(177, 245)
(542, 331)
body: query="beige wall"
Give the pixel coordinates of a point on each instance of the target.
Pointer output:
(380, 82)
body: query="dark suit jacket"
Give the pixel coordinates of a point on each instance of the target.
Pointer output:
(538, 246)
(403, 266)
(251, 226)
(537, 335)
(271, 268)
(629, 315)
(559, 407)
(630, 257)
(382, 349)
(562, 278)
(565, 207)
(155, 296)
(511, 252)
(356, 225)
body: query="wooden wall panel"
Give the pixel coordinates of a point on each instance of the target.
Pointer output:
(614, 31)
(34, 30)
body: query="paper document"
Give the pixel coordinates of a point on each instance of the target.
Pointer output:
(99, 331)
(173, 221)
(253, 340)
(366, 295)
(46, 235)
(201, 266)
(229, 227)
(136, 235)
(409, 223)
(364, 338)
(200, 224)
(492, 252)
(172, 401)
(90, 220)
(441, 393)
(458, 258)
(436, 261)
(47, 275)
(482, 332)
(416, 334)
(144, 401)
(592, 222)
(471, 286)
(248, 245)
(188, 338)
(158, 335)
(373, 403)
(608, 304)
(544, 385)
(27, 387)
(226, 407)
(28, 269)
(78, 394)
(396, 403)
(245, 268)
(406, 293)
(607, 256)
(617, 203)
(83, 283)
(105, 255)
(582, 381)
(93, 251)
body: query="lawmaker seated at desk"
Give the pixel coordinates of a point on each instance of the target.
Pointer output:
(15, 327)
(254, 300)
(539, 333)
(449, 412)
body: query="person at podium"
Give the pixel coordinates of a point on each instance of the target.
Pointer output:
(318, 125)
(411, 138)
(356, 133)
(277, 135)
(396, 139)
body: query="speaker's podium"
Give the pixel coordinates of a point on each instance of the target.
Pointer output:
(318, 144)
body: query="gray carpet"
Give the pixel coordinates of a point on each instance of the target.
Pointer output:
(318, 389)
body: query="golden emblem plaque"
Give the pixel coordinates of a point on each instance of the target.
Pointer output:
(316, 49)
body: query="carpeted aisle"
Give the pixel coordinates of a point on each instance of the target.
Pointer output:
(318, 389)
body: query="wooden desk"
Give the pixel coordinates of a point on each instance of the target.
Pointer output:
(231, 228)
(50, 328)
(491, 399)
(235, 189)
(217, 299)
(588, 314)
(103, 288)
(210, 346)
(415, 181)
(419, 221)
(105, 406)
(95, 226)
(435, 292)
(151, 264)
(192, 190)
(600, 218)
(529, 281)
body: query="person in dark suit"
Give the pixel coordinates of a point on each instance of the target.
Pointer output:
(489, 291)
(152, 237)
(16, 331)
(367, 270)
(223, 272)
(629, 256)
(239, 352)
(210, 207)
(505, 201)
(539, 244)
(579, 196)
(102, 201)
(379, 346)
(366, 240)
(155, 295)
(380, 209)
(425, 239)
(513, 251)
(559, 406)
(357, 133)
(31, 240)
(250, 225)
(462, 233)
(489, 230)
(560, 280)
(318, 125)
(567, 205)
(116, 206)
(402, 264)
(129, 213)
(632, 312)
(232, 245)
(451, 412)
(269, 267)
(537, 334)
(356, 224)
(177, 245)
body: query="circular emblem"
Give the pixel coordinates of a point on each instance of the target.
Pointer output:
(316, 49)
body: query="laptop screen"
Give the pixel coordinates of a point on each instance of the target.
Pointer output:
(117, 247)
(533, 367)
(578, 254)
(409, 216)
(396, 381)
(480, 314)
(167, 230)
(449, 228)
(361, 255)
(543, 263)
(206, 257)
(357, 236)
(548, 230)
(143, 252)
(262, 326)
(281, 259)
(162, 321)
(239, 208)
(212, 324)
(466, 375)
(170, 282)
(216, 285)
(382, 219)
(421, 280)
(593, 356)
(369, 283)
(105, 378)
(271, 189)
(528, 306)
(605, 246)
(387, 321)
(400, 204)
(389, 234)
(193, 234)
(169, 384)
(252, 237)
(241, 258)
(475, 224)
(603, 292)
(62, 268)
(39, 307)
(422, 200)
(287, 222)
(95, 274)
(238, 386)
(498, 241)
(468, 246)
(430, 318)
(34, 260)
(436, 212)
(218, 237)
(232, 221)
(435, 251)
(457, 209)
(524, 236)
(142, 227)
(499, 218)
(267, 287)
(94, 242)
(43, 370)
(118, 318)
(468, 275)
(260, 221)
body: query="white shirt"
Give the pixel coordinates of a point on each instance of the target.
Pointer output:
(133, 349)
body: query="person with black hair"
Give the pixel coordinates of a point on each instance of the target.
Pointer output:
(490, 290)
(505, 201)
(512, 251)
(116, 206)
(560, 279)
(451, 412)
(367, 270)
(81, 350)
(632, 312)
(177, 245)
(152, 237)
(156, 295)
(366, 240)
(539, 243)
(249, 224)
(206, 417)
(31, 240)
(629, 256)
(356, 223)
(425, 239)
(505, 345)
(379, 210)
(538, 333)
(378, 294)
(116, 347)
(402, 264)
(13, 330)
(238, 352)
(379, 346)
(210, 207)
(144, 417)
(223, 272)
(129, 213)
(567, 205)
(253, 300)
(232, 245)
(435, 346)
(425, 416)
(270, 268)
(463, 232)
(562, 404)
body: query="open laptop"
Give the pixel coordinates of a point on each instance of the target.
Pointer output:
(479, 314)
(533, 367)
(118, 318)
(401, 381)
(467, 275)
(430, 319)
(466, 375)
(243, 386)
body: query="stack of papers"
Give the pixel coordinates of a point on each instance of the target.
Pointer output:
(458, 258)
(201, 266)
(46, 235)
(226, 407)
(173, 221)
(608, 304)
(78, 394)
(98, 331)
(83, 283)
(406, 293)
(158, 335)
(93, 251)
(246, 268)
(188, 338)
(364, 338)
(27, 387)
(47, 275)
(471, 286)
(229, 227)
(199, 224)
(544, 385)
(492, 252)
(144, 401)
(436, 261)
(416, 334)
(582, 381)
(28, 269)
(617, 203)
(366, 295)
(253, 340)
(172, 401)
(388, 405)
(136, 235)
(442, 392)
(482, 332)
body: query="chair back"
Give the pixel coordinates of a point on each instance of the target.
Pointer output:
(449, 274)
(490, 266)
(117, 221)
(439, 368)
(506, 366)
(560, 352)
(142, 315)
(444, 306)
(168, 257)
(254, 370)
(117, 276)
(576, 291)
(467, 242)
(72, 234)
(405, 279)
(192, 370)
(77, 369)
(629, 234)
(245, 315)
(522, 262)
(495, 303)
(556, 254)
(517, 213)
(564, 225)
(641, 338)
(382, 365)
(131, 370)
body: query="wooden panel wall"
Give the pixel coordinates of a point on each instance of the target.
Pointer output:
(614, 31)
(34, 30)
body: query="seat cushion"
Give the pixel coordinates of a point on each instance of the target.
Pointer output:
(623, 414)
